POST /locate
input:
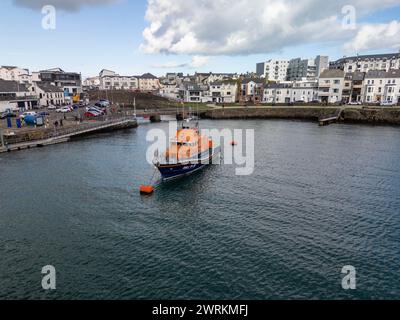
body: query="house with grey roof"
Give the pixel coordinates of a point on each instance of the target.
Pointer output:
(291, 92)
(225, 91)
(251, 90)
(49, 95)
(17, 95)
(381, 87)
(193, 92)
(330, 86)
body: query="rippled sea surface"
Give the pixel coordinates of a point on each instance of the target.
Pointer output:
(319, 199)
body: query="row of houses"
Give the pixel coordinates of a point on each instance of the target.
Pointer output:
(335, 86)
(24, 96)
(110, 80)
(41, 88)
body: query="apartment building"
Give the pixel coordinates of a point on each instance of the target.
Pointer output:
(148, 83)
(273, 70)
(12, 73)
(307, 69)
(69, 82)
(365, 63)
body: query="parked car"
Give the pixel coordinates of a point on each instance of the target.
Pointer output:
(92, 114)
(299, 102)
(51, 107)
(43, 114)
(387, 104)
(64, 110)
(29, 113)
(95, 109)
(103, 104)
(354, 103)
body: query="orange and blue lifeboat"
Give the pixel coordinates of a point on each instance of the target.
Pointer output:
(189, 152)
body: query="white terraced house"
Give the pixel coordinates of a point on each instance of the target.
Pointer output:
(291, 92)
(109, 80)
(223, 92)
(382, 87)
(192, 92)
(169, 90)
(330, 86)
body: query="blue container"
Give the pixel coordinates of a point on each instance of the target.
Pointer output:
(30, 120)
(9, 123)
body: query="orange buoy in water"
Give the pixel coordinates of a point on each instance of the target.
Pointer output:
(146, 190)
(234, 143)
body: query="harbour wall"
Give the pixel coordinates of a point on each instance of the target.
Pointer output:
(352, 115)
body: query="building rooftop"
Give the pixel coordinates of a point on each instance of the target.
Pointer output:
(355, 76)
(372, 56)
(248, 80)
(394, 73)
(148, 76)
(46, 87)
(332, 73)
(12, 86)
(278, 85)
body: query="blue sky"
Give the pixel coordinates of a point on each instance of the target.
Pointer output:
(109, 36)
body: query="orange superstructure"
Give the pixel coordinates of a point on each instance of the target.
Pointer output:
(187, 144)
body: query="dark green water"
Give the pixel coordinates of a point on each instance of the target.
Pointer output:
(319, 199)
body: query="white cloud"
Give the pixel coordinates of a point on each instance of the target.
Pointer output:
(234, 27)
(69, 5)
(197, 62)
(376, 36)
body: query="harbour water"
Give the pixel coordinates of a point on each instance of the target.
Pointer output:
(319, 199)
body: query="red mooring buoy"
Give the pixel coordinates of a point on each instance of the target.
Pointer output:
(146, 190)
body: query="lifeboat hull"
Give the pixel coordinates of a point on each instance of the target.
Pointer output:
(174, 171)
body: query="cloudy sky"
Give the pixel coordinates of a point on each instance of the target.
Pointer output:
(159, 36)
